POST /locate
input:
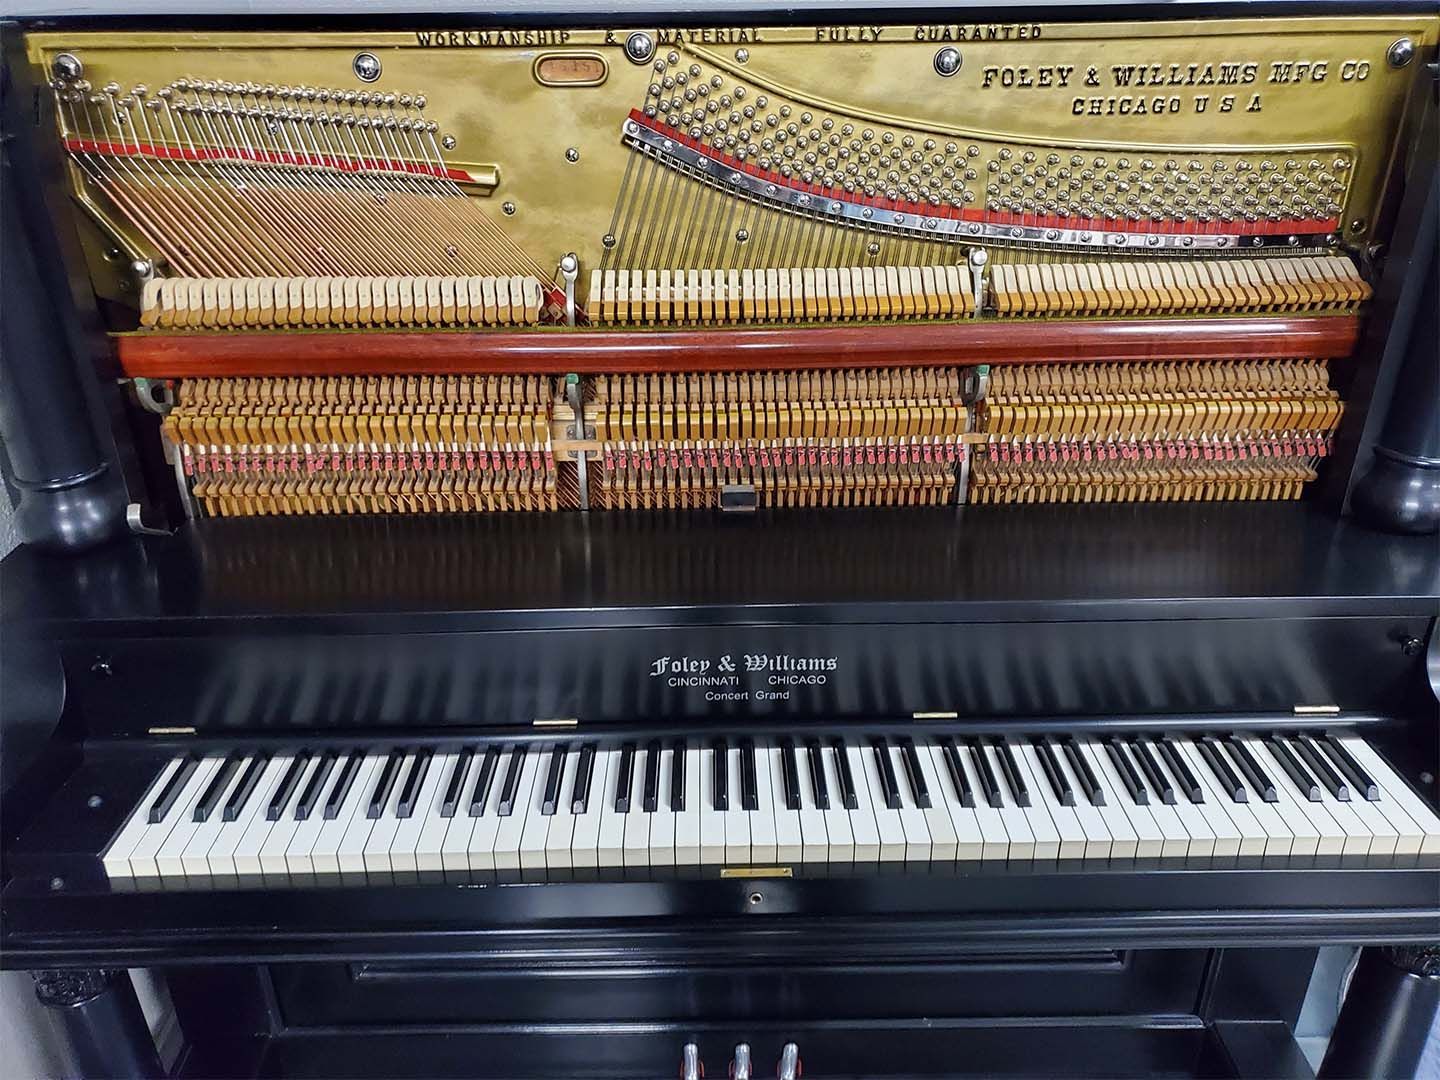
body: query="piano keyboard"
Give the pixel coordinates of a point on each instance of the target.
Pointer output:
(796, 802)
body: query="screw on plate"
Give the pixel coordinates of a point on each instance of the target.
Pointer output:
(366, 66)
(67, 66)
(947, 61)
(639, 47)
(448, 142)
(1412, 646)
(509, 208)
(572, 155)
(1400, 53)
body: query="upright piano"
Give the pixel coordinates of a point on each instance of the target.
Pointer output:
(561, 545)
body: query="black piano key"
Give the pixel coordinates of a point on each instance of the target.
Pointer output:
(958, 779)
(887, 773)
(1230, 783)
(344, 780)
(1093, 791)
(556, 773)
(584, 772)
(1350, 768)
(1303, 781)
(1154, 775)
(218, 783)
(511, 787)
(989, 787)
(1059, 784)
(244, 787)
(1248, 766)
(677, 776)
(1128, 776)
(650, 795)
(380, 794)
(171, 791)
(626, 782)
(484, 778)
(749, 782)
(848, 794)
(1312, 757)
(817, 774)
(305, 805)
(451, 802)
(275, 808)
(410, 792)
(1011, 768)
(720, 773)
(790, 771)
(1178, 769)
(911, 760)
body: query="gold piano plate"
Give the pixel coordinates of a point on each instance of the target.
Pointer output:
(1148, 135)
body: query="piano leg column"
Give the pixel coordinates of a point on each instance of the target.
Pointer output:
(99, 1017)
(1389, 1012)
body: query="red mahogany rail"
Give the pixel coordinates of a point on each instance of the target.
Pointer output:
(198, 354)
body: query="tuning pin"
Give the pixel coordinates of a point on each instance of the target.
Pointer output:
(740, 1066)
(789, 1068)
(691, 1067)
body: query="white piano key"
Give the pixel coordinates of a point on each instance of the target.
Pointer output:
(636, 847)
(912, 817)
(839, 838)
(430, 841)
(1192, 819)
(712, 821)
(764, 845)
(170, 858)
(116, 859)
(789, 846)
(1048, 838)
(1383, 835)
(585, 844)
(480, 850)
(1072, 838)
(350, 854)
(737, 818)
(814, 840)
(662, 821)
(610, 846)
(1175, 838)
(560, 833)
(325, 854)
(1225, 842)
(404, 849)
(1253, 838)
(687, 822)
(145, 859)
(287, 843)
(995, 841)
(864, 833)
(1124, 842)
(512, 826)
(1396, 792)
(969, 841)
(1020, 838)
(191, 858)
(1330, 836)
(1099, 843)
(1149, 840)
(380, 841)
(536, 831)
(1304, 837)
(221, 858)
(891, 833)
(942, 842)
(455, 844)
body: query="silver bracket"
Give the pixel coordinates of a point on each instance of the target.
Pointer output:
(137, 526)
(569, 271)
(977, 259)
(690, 1068)
(578, 430)
(977, 384)
(789, 1063)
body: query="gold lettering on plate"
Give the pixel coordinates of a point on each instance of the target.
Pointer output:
(987, 32)
(710, 35)
(485, 39)
(1158, 89)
